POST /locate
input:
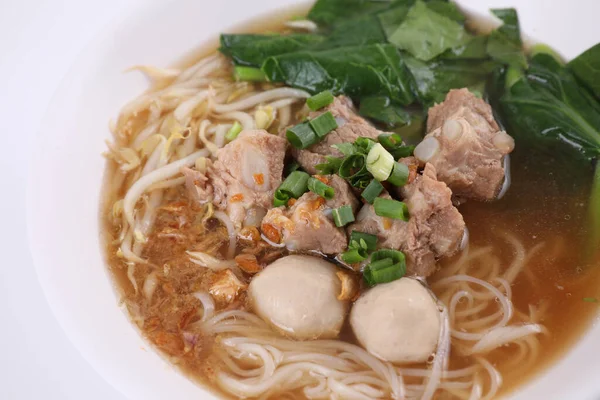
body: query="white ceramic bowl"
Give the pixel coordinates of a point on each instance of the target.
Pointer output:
(64, 186)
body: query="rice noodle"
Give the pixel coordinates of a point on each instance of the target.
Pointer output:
(504, 335)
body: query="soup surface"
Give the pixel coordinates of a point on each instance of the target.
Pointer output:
(539, 229)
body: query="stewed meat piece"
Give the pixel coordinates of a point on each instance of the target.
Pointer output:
(434, 230)
(350, 127)
(244, 176)
(466, 146)
(307, 224)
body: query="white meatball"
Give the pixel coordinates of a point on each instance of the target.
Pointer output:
(397, 321)
(298, 296)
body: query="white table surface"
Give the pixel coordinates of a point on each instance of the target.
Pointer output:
(39, 40)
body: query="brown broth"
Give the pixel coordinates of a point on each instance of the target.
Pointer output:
(546, 204)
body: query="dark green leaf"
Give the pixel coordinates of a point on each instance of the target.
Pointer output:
(548, 108)
(436, 78)
(381, 109)
(586, 68)
(426, 34)
(329, 12)
(355, 71)
(447, 9)
(359, 31)
(345, 148)
(504, 43)
(475, 47)
(253, 49)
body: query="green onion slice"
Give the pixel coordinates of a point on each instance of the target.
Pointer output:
(390, 140)
(280, 199)
(301, 136)
(291, 167)
(233, 132)
(380, 162)
(363, 240)
(364, 144)
(372, 191)
(399, 175)
(342, 216)
(353, 166)
(391, 209)
(355, 255)
(318, 187)
(402, 151)
(331, 166)
(294, 186)
(323, 124)
(319, 100)
(250, 74)
(386, 266)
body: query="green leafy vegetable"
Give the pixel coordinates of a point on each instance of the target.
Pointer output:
(331, 166)
(586, 68)
(391, 19)
(447, 9)
(474, 48)
(547, 107)
(504, 43)
(359, 31)
(253, 49)
(328, 12)
(356, 71)
(426, 34)
(436, 78)
(381, 109)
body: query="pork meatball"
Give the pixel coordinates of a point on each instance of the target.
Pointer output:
(397, 321)
(297, 295)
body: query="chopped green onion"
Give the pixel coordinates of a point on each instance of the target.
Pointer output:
(346, 149)
(372, 191)
(301, 136)
(386, 266)
(280, 199)
(295, 185)
(364, 144)
(399, 175)
(402, 151)
(250, 74)
(291, 167)
(318, 187)
(360, 181)
(391, 208)
(353, 166)
(354, 255)
(390, 140)
(380, 162)
(331, 166)
(319, 100)
(323, 124)
(342, 216)
(233, 132)
(369, 241)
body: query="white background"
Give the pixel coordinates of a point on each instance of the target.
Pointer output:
(39, 40)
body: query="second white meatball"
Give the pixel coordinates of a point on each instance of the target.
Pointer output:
(397, 321)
